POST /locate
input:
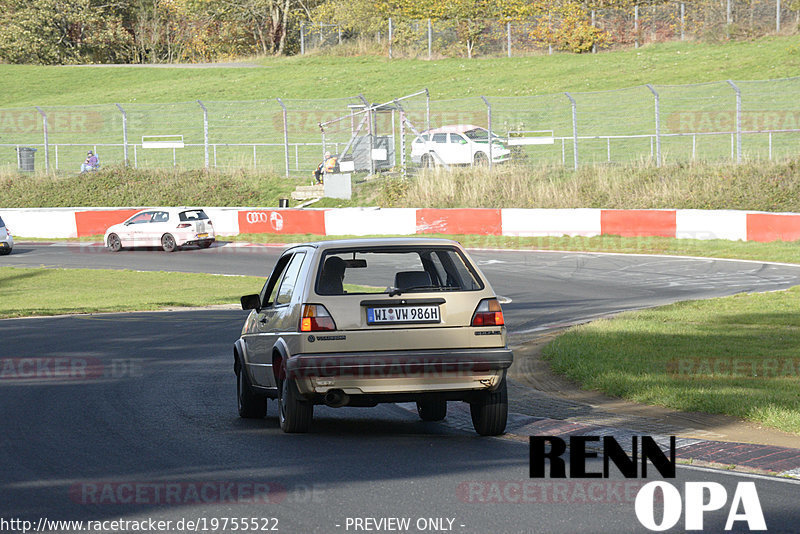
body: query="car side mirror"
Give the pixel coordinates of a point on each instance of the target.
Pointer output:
(251, 302)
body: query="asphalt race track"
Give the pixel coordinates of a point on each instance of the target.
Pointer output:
(150, 430)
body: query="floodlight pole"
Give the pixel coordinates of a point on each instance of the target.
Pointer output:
(205, 131)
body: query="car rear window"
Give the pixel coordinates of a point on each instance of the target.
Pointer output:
(403, 269)
(193, 215)
(2, 224)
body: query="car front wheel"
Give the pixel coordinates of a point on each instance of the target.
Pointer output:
(426, 162)
(490, 412)
(294, 412)
(480, 159)
(250, 404)
(114, 243)
(168, 243)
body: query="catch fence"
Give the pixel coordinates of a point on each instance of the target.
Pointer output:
(726, 121)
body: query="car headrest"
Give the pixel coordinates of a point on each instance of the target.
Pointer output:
(408, 279)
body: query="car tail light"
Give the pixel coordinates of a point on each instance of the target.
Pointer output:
(316, 317)
(488, 313)
(184, 225)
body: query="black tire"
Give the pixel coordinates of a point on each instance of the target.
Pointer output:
(426, 161)
(480, 159)
(294, 412)
(490, 414)
(114, 243)
(251, 405)
(432, 410)
(205, 244)
(168, 243)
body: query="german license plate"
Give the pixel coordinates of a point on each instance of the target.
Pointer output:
(202, 235)
(403, 314)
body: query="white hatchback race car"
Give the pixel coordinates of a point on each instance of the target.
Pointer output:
(461, 144)
(168, 228)
(6, 241)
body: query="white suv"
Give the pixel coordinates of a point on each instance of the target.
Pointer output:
(461, 144)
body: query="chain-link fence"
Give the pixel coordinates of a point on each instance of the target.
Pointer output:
(636, 25)
(648, 124)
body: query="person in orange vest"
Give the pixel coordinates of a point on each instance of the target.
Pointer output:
(328, 165)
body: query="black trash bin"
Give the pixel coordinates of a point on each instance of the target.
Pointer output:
(26, 157)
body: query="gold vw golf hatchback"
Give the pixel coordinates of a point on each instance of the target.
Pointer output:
(364, 321)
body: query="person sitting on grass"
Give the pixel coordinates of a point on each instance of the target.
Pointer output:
(91, 163)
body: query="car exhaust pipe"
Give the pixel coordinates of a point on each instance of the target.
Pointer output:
(336, 398)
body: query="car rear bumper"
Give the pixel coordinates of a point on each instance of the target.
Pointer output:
(400, 371)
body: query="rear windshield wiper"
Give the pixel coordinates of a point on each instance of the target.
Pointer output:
(397, 291)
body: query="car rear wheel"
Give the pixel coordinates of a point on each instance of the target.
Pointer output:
(432, 410)
(480, 159)
(250, 404)
(294, 412)
(490, 413)
(114, 243)
(168, 243)
(5, 251)
(205, 244)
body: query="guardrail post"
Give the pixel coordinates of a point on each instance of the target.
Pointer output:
(738, 121)
(777, 16)
(636, 26)
(46, 141)
(574, 131)
(205, 131)
(390, 37)
(285, 137)
(489, 133)
(124, 133)
(658, 126)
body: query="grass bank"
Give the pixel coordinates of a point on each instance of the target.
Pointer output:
(735, 356)
(28, 292)
(756, 185)
(118, 186)
(326, 76)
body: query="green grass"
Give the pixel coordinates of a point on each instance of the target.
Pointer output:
(736, 356)
(753, 185)
(163, 101)
(777, 251)
(750, 186)
(116, 186)
(40, 291)
(326, 76)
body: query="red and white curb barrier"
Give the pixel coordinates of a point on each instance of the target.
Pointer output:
(682, 224)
